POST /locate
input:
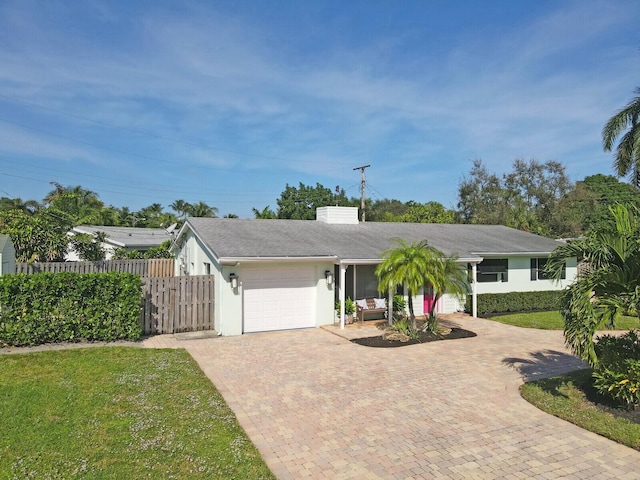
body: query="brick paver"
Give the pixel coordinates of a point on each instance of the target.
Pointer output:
(318, 406)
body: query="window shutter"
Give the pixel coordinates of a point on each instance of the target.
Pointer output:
(534, 269)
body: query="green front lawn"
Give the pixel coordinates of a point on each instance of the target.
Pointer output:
(115, 412)
(572, 398)
(553, 321)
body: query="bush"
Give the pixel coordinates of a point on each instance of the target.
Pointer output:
(69, 307)
(349, 306)
(617, 374)
(399, 303)
(515, 302)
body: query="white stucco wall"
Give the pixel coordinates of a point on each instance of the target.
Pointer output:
(228, 308)
(231, 300)
(519, 279)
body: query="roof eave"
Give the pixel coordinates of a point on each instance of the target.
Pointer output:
(239, 260)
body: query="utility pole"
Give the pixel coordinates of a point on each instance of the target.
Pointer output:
(363, 184)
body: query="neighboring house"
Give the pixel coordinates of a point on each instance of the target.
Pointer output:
(284, 274)
(129, 238)
(7, 255)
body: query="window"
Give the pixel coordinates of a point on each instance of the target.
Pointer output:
(207, 268)
(537, 270)
(493, 270)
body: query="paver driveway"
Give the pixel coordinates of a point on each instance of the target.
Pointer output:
(318, 406)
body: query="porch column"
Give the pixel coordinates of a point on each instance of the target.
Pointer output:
(474, 293)
(355, 274)
(341, 291)
(390, 307)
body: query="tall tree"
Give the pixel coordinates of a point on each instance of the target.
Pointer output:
(430, 212)
(265, 214)
(446, 275)
(406, 265)
(301, 203)
(79, 205)
(28, 206)
(626, 161)
(201, 209)
(41, 237)
(611, 285)
(181, 207)
(525, 198)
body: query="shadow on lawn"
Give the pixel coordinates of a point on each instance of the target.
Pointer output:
(545, 363)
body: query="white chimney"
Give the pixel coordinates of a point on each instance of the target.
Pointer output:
(337, 215)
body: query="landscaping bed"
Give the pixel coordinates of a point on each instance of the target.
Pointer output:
(573, 398)
(383, 341)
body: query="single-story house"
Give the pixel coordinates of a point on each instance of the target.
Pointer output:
(285, 274)
(129, 238)
(7, 255)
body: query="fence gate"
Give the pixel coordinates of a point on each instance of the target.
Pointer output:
(177, 304)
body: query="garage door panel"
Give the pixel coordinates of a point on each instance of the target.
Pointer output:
(279, 298)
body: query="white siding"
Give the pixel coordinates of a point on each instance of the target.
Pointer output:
(520, 278)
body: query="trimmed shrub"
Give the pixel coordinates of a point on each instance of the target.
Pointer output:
(489, 303)
(617, 375)
(69, 307)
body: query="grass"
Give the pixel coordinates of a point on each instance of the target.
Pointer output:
(553, 321)
(572, 398)
(117, 412)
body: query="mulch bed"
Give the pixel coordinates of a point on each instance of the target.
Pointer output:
(380, 342)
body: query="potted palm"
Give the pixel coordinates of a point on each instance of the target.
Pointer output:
(349, 309)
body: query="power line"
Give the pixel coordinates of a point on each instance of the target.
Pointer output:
(139, 133)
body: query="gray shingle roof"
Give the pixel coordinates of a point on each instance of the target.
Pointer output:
(131, 237)
(238, 238)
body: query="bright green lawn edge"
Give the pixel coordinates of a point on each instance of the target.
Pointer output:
(118, 412)
(565, 396)
(552, 320)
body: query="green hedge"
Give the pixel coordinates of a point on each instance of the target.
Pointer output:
(69, 307)
(489, 303)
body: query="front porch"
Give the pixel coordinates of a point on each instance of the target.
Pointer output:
(357, 280)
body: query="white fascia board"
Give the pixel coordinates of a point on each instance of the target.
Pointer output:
(376, 261)
(515, 254)
(232, 261)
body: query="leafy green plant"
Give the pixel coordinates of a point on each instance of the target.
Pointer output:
(571, 398)
(349, 306)
(161, 251)
(405, 326)
(617, 374)
(516, 302)
(69, 307)
(399, 303)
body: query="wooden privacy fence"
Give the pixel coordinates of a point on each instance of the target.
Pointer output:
(177, 304)
(154, 267)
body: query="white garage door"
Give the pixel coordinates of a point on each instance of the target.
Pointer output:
(279, 298)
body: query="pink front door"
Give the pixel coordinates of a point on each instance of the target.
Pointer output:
(428, 298)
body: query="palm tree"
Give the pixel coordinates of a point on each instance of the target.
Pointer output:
(446, 275)
(265, 214)
(201, 209)
(181, 207)
(612, 285)
(406, 265)
(627, 158)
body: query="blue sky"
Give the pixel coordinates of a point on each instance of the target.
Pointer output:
(227, 102)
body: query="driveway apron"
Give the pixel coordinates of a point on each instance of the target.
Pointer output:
(319, 406)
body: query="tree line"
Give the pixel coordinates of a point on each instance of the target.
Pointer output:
(534, 197)
(39, 229)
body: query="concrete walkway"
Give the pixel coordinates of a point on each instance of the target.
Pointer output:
(318, 406)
